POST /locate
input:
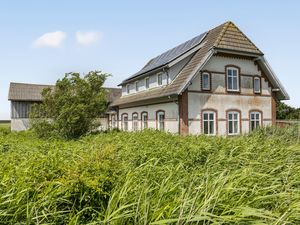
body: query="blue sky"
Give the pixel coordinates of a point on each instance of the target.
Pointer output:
(42, 40)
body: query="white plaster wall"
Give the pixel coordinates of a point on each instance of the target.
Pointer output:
(171, 116)
(19, 124)
(221, 103)
(217, 64)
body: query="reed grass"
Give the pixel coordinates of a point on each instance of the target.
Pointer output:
(151, 177)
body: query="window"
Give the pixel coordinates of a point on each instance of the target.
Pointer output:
(136, 86)
(147, 82)
(125, 122)
(256, 84)
(159, 79)
(113, 121)
(232, 79)
(205, 81)
(127, 88)
(160, 120)
(135, 123)
(144, 117)
(233, 123)
(255, 118)
(209, 122)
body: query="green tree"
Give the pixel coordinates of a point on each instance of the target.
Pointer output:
(72, 107)
(286, 112)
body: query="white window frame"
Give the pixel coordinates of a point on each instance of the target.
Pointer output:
(259, 85)
(147, 80)
(208, 81)
(159, 122)
(113, 121)
(125, 128)
(144, 122)
(159, 79)
(232, 78)
(232, 120)
(128, 88)
(208, 120)
(135, 121)
(257, 121)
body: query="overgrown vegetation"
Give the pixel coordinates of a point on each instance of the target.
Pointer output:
(151, 178)
(71, 109)
(286, 112)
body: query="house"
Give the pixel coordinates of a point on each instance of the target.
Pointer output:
(216, 83)
(23, 96)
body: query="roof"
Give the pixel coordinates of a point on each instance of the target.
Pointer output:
(32, 92)
(169, 55)
(26, 92)
(226, 36)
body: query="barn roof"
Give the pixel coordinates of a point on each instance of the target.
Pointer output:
(32, 92)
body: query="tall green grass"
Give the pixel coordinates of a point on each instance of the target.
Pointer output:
(151, 178)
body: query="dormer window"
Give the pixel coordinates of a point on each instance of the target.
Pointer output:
(136, 86)
(147, 82)
(159, 79)
(205, 81)
(232, 76)
(256, 85)
(127, 88)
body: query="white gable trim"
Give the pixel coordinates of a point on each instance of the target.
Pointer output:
(273, 78)
(200, 66)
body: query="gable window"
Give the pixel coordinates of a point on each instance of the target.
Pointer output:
(127, 88)
(255, 120)
(209, 122)
(135, 122)
(147, 82)
(144, 117)
(256, 84)
(232, 75)
(136, 86)
(233, 122)
(205, 81)
(125, 122)
(160, 120)
(159, 79)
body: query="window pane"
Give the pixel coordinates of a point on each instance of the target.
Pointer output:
(256, 84)
(230, 116)
(229, 72)
(211, 127)
(235, 116)
(205, 116)
(205, 127)
(205, 81)
(235, 127)
(229, 83)
(211, 116)
(230, 131)
(257, 116)
(235, 83)
(234, 73)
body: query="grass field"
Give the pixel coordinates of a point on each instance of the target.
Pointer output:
(150, 178)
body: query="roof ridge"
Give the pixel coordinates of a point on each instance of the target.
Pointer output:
(224, 29)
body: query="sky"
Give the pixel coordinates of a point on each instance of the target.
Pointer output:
(40, 41)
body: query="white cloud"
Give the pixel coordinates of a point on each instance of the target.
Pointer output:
(87, 38)
(52, 40)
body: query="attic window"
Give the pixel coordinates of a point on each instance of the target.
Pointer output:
(127, 88)
(136, 86)
(205, 81)
(159, 79)
(147, 82)
(233, 82)
(256, 85)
